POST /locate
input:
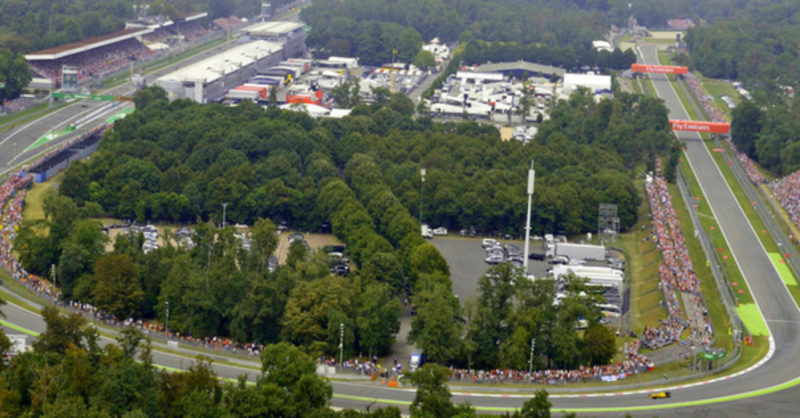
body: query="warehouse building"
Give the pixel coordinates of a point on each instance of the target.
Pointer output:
(291, 34)
(208, 80)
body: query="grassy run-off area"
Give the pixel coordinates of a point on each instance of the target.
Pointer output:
(717, 88)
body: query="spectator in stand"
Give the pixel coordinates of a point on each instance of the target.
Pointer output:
(677, 273)
(96, 62)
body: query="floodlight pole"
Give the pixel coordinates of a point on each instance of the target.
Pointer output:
(421, 195)
(531, 180)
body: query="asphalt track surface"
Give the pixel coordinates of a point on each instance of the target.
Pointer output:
(729, 398)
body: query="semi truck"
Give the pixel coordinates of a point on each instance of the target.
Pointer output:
(560, 270)
(581, 251)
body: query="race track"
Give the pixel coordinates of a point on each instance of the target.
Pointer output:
(777, 306)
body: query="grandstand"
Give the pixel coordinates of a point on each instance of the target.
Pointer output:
(100, 56)
(95, 57)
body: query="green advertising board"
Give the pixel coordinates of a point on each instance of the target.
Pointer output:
(713, 356)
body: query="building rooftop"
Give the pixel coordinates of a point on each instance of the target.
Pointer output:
(87, 44)
(530, 67)
(271, 29)
(188, 17)
(211, 69)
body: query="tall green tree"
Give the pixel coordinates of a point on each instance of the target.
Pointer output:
(118, 290)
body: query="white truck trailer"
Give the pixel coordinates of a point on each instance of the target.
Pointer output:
(581, 251)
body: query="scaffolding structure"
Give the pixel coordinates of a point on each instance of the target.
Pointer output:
(607, 222)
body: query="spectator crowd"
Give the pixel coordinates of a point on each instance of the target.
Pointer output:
(228, 23)
(633, 364)
(677, 273)
(707, 101)
(787, 192)
(680, 24)
(17, 105)
(95, 63)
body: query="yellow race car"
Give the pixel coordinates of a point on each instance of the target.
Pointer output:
(660, 395)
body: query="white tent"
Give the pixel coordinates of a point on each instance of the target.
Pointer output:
(311, 109)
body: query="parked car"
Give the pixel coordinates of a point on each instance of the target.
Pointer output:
(536, 256)
(440, 231)
(296, 236)
(488, 242)
(468, 232)
(341, 270)
(559, 259)
(494, 259)
(283, 226)
(516, 262)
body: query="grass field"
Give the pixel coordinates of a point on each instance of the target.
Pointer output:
(717, 88)
(36, 196)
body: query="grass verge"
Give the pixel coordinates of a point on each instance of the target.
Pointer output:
(711, 227)
(31, 117)
(34, 202)
(24, 113)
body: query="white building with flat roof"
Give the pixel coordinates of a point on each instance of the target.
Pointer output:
(592, 82)
(208, 80)
(602, 46)
(291, 34)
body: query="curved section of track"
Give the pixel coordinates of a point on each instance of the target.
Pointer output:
(761, 391)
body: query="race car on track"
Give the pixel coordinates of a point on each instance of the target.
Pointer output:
(660, 395)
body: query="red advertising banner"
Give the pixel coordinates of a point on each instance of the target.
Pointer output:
(692, 126)
(659, 69)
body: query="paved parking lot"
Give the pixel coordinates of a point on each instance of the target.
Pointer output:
(465, 256)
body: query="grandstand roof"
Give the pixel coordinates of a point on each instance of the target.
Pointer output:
(211, 69)
(274, 28)
(188, 17)
(86, 45)
(521, 65)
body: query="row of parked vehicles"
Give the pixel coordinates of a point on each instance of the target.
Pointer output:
(497, 253)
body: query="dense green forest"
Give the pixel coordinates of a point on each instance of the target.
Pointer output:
(68, 374)
(27, 26)
(178, 161)
(769, 135)
(562, 30)
(759, 47)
